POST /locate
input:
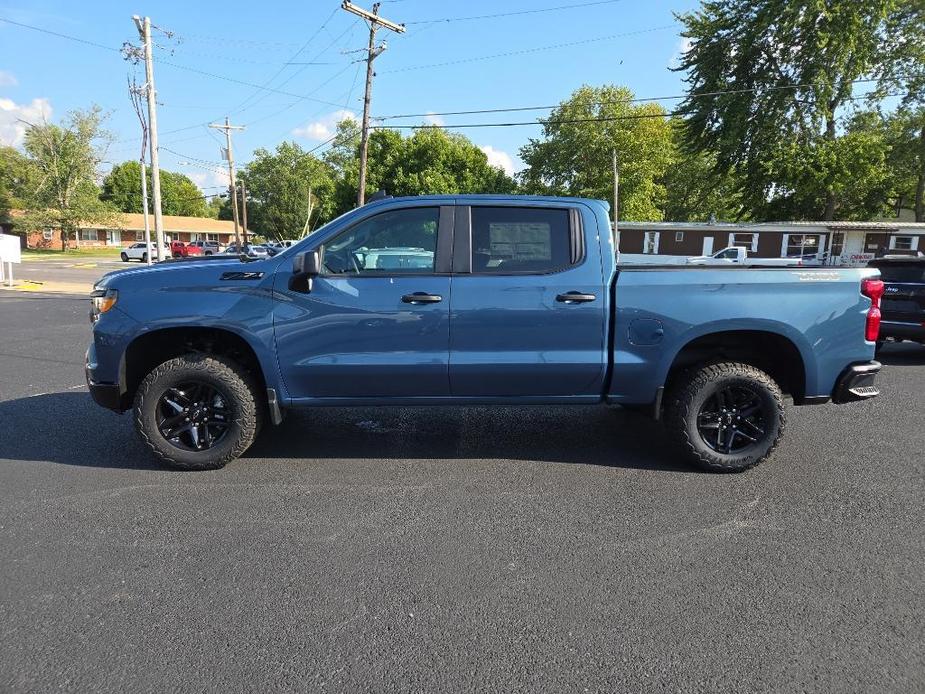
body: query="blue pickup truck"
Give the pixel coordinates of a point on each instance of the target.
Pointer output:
(501, 300)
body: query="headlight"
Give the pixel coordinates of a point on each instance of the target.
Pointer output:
(101, 300)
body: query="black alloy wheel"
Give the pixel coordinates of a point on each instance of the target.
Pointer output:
(193, 416)
(732, 419)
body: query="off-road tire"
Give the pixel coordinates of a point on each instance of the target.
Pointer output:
(246, 411)
(693, 389)
(124, 257)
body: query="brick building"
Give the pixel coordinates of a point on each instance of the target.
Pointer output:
(131, 229)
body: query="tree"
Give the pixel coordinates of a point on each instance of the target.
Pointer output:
(905, 134)
(179, 195)
(575, 154)
(768, 80)
(902, 72)
(17, 176)
(67, 159)
(430, 161)
(695, 190)
(289, 191)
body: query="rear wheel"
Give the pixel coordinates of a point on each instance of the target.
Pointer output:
(144, 257)
(197, 412)
(726, 417)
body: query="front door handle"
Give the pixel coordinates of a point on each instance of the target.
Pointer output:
(422, 298)
(575, 298)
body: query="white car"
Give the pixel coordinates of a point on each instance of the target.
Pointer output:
(140, 251)
(737, 255)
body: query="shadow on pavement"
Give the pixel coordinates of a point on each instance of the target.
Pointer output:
(902, 354)
(68, 428)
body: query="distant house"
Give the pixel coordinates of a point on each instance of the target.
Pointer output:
(836, 243)
(131, 229)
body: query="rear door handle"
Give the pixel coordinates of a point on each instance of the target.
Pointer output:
(575, 298)
(422, 298)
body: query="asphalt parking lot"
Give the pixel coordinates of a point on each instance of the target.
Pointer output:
(518, 549)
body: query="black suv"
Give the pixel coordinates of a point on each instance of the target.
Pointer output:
(903, 303)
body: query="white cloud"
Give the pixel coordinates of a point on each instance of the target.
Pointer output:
(684, 45)
(208, 180)
(499, 158)
(325, 127)
(12, 115)
(7, 79)
(434, 119)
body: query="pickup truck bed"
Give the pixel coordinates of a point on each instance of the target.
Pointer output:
(476, 300)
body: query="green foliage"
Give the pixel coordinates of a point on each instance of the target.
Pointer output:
(278, 188)
(744, 62)
(179, 195)
(66, 159)
(430, 161)
(17, 177)
(575, 154)
(696, 190)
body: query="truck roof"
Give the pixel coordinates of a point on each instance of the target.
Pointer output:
(482, 197)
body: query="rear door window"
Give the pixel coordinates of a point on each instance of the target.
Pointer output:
(513, 240)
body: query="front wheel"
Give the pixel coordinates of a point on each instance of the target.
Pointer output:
(124, 257)
(197, 412)
(726, 417)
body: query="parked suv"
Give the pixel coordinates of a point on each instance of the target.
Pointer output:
(903, 304)
(205, 247)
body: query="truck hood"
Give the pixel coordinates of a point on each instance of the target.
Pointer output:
(205, 271)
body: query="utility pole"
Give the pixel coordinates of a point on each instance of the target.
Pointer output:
(135, 94)
(229, 155)
(244, 212)
(372, 52)
(144, 30)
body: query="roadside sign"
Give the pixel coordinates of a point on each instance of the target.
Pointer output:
(9, 253)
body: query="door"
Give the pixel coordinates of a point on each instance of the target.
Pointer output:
(707, 245)
(376, 321)
(528, 305)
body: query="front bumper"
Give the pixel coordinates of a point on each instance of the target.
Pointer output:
(108, 395)
(857, 383)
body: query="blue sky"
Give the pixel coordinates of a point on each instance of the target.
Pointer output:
(434, 67)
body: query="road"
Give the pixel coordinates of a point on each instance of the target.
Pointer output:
(519, 549)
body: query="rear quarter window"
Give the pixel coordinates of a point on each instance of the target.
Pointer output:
(902, 272)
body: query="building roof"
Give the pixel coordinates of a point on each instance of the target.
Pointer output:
(175, 223)
(746, 227)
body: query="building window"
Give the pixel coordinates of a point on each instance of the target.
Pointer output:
(678, 236)
(89, 235)
(838, 244)
(140, 235)
(797, 245)
(747, 241)
(650, 243)
(48, 234)
(903, 243)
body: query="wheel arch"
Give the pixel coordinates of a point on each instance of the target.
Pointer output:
(772, 351)
(154, 347)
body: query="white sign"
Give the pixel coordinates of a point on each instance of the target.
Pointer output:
(857, 259)
(9, 249)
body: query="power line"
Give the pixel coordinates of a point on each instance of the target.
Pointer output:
(536, 49)
(291, 58)
(514, 14)
(640, 99)
(59, 35)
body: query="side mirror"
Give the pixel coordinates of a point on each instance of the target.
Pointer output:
(305, 267)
